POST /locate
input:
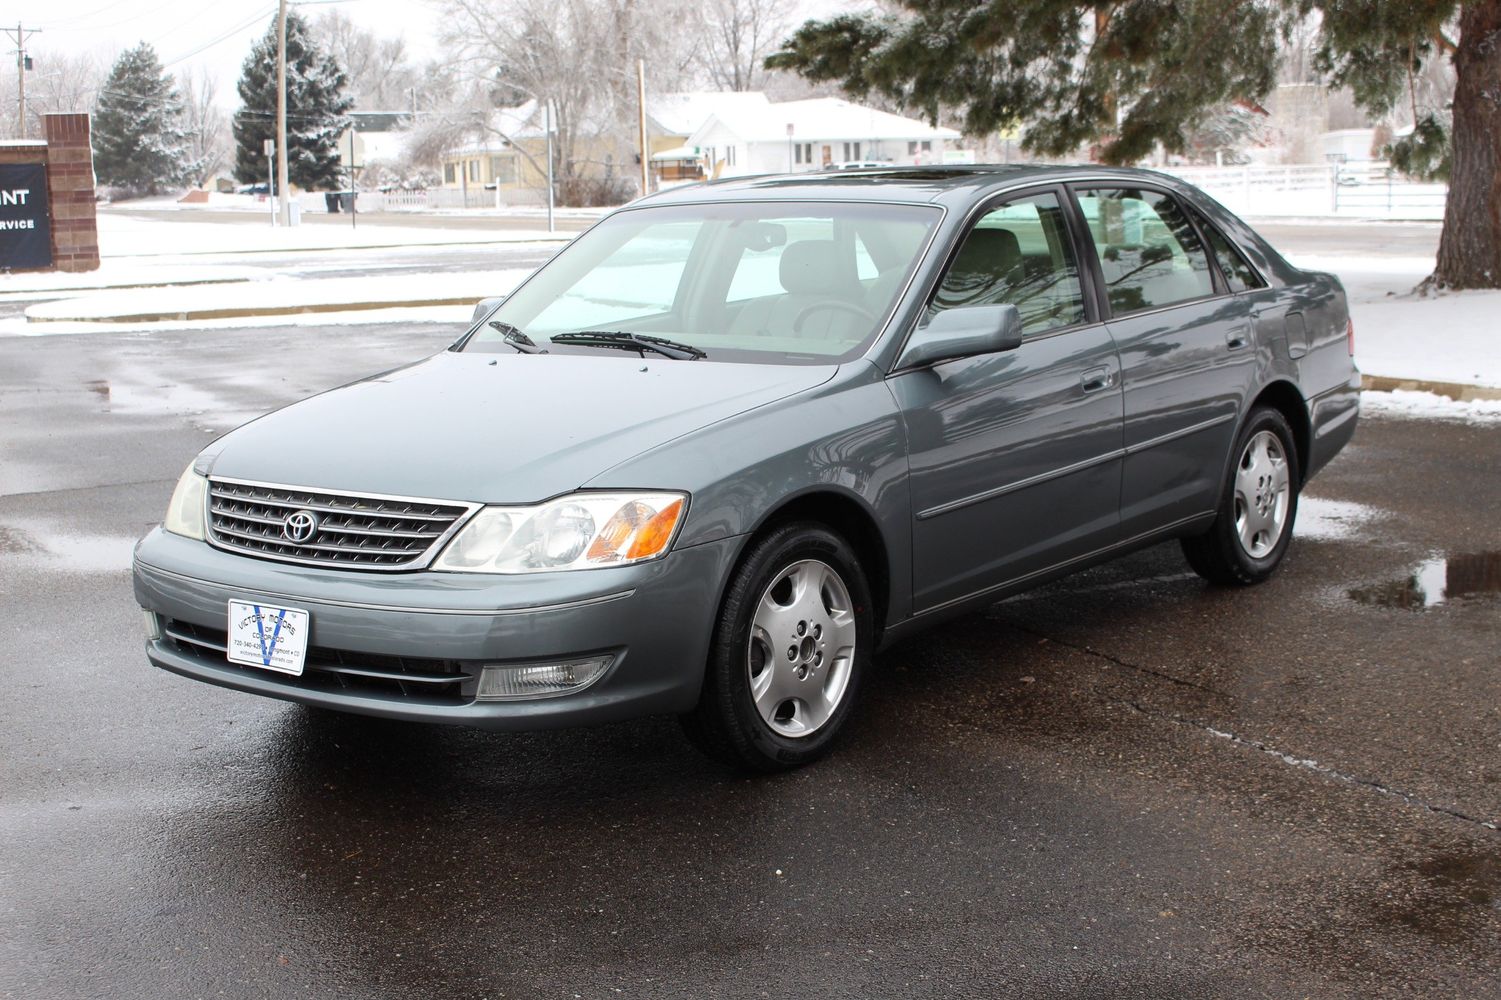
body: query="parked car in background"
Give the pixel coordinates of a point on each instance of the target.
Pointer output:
(738, 436)
(858, 164)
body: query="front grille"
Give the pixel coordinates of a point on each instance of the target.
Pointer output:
(358, 532)
(414, 679)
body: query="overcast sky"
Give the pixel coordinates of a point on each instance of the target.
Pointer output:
(213, 34)
(217, 34)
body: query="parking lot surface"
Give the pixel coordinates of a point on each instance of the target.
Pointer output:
(1126, 784)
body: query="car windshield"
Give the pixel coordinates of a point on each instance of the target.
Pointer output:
(776, 283)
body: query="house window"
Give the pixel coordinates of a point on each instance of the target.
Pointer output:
(503, 169)
(912, 149)
(852, 151)
(729, 156)
(797, 153)
(474, 170)
(449, 176)
(927, 147)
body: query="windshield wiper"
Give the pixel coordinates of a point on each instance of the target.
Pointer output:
(514, 336)
(639, 342)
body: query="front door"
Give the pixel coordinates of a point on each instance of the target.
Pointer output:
(1186, 349)
(1016, 457)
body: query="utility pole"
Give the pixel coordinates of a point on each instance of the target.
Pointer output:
(641, 102)
(23, 63)
(547, 118)
(283, 201)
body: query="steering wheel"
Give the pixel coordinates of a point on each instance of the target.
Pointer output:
(850, 307)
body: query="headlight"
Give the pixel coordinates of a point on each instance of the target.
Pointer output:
(185, 509)
(579, 531)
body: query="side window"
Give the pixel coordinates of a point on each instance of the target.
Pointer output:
(638, 278)
(1237, 270)
(1149, 255)
(1018, 254)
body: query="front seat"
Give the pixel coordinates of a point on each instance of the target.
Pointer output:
(810, 274)
(985, 271)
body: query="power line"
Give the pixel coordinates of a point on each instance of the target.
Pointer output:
(224, 37)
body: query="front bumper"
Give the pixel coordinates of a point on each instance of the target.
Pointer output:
(656, 618)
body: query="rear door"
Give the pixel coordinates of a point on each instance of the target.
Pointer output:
(1015, 457)
(1186, 349)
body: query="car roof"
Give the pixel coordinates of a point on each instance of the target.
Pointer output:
(950, 185)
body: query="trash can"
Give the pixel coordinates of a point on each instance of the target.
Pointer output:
(346, 200)
(331, 202)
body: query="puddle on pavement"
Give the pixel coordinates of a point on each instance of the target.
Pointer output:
(1436, 581)
(16, 540)
(1454, 891)
(44, 550)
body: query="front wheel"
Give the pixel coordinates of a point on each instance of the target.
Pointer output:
(794, 634)
(1254, 523)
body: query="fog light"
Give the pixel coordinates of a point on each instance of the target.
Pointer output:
(518, 681)
(153, 626)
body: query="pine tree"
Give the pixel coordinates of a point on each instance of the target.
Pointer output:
(140, 143)
(316, 110)
(1125, 75)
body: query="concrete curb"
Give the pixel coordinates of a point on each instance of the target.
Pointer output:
(1460, 392)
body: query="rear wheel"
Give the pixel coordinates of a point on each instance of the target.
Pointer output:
(794, 633)
(1254, 523)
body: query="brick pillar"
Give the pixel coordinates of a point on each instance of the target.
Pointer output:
(70, 190)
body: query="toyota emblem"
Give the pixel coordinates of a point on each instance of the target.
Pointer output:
(300, 526)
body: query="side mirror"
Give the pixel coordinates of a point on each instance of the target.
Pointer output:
(485, 307)
(962, 332)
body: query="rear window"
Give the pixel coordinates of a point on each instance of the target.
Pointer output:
(1238, 272)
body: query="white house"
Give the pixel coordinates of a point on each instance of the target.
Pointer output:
(796, 136)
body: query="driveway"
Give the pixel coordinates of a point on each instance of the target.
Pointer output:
(1124, 785)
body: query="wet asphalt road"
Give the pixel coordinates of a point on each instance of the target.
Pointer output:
(1124, 785)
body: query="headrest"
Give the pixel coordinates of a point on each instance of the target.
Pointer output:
(811, 267)
(989, 251)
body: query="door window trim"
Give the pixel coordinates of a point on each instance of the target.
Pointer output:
(1107, 313)
(982, 208)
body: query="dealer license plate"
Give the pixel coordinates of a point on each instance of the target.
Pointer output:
(267, 637)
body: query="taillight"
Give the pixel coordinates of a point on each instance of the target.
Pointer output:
(1350, 336)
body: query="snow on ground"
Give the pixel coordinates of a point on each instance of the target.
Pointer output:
(122, 272)
(458, 316)
(281, 294)
(1449, 337)
(122, 235)
(1333, 520)
(1430, 406)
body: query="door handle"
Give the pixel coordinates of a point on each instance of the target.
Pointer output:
(1096, 379)
(1237, 338)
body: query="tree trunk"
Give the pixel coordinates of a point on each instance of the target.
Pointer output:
(1469, 250)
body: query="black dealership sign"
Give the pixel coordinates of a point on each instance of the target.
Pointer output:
(25, 227)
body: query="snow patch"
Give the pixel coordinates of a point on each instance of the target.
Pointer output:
(1322, 520)
(1431, 406)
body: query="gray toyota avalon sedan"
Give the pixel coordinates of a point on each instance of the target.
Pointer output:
(739, 436)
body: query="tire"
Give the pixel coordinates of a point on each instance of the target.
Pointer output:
(773, 701)
(1258, 505)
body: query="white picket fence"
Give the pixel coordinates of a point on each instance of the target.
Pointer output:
(1351, 190)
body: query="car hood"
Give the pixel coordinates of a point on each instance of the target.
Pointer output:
(495, 429)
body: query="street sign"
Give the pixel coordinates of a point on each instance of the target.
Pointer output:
(269, 146)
